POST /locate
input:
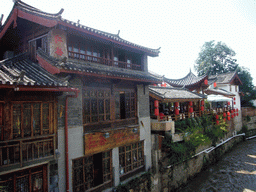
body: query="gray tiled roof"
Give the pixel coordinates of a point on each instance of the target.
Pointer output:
(219, 91)
(223, 78)
(188, 80)
(101, 34)
(99, 69)
(174, 93)
(20, 70)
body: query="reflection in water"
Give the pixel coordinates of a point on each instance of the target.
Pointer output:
(235, 172)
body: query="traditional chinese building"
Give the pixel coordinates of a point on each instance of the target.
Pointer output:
(102, 133)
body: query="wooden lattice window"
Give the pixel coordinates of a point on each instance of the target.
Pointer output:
(96, 105)
(131, 157)
(33, 179)
(125, 104)
(92, 171)
(32, 119)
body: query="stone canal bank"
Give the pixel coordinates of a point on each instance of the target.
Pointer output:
(173, 177)
(235, 171)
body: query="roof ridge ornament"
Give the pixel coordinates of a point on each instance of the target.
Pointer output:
(118, 32)
(1, 19)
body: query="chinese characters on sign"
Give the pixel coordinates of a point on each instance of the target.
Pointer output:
(96, 142)
(58, 50)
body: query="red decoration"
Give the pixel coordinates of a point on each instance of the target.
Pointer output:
(228, 103)
(215, 84)
(237, 114)
(154, 84)
(156, 111)
(176, 104)
(224, 119)
(234, 103)
(59, 51)
(228, 113)
(236, 109)
(217, 116)
(191, 110)
(202, 102)
(163, 84)
(206, 82)
(202, 108)
(57, 39)
(217, 122)
(232, 111)
(228, 118)
(156, 103)
(190, 103)
(234, 98)
(177, 112)
(232, 116)
(224, 114)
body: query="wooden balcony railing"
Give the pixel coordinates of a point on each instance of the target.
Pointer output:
(14, 152)
(104, 61)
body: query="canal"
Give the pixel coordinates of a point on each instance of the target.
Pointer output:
(234, 172)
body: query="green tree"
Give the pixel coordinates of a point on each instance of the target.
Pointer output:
(215, 58)
(249, 93)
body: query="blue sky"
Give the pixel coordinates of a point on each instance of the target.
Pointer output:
(179, 27)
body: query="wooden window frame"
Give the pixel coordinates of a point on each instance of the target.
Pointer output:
(84, 166)
(88, 117)
(103, 52)
(28, 176)
(135, 162)
(42, 129)
(132, 97)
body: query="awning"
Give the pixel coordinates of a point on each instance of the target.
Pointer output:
(217, 98)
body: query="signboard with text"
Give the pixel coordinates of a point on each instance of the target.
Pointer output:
(102, 141)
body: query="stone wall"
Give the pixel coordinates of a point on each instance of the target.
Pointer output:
(170, 177)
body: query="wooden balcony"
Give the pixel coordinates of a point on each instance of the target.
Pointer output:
(104, 61)
(19, 153)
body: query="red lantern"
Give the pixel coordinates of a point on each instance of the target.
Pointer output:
(156, 111)
(156, 103)
(202, 102)
(217, 116)
(191, 110)
(215, 84)
(228, 103)
(154, 84)
(163, 84)
(232, 111)
(177, 112)
(202, 108)
(224, 114)
(234, 103)
(237, 114)
(224, 119)
(229, 118)
(176, 104)
(206, 82)
(236, 109)
(190, 103)
(234, 98)
(217, 122)
(228, 113)
(232, 116)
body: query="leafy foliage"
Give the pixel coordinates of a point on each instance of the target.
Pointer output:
(215, 59)
(198, 131)
(247, 88)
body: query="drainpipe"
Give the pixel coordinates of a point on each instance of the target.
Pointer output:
(66, 138)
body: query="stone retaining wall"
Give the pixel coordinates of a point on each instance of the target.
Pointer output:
(171, 177)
